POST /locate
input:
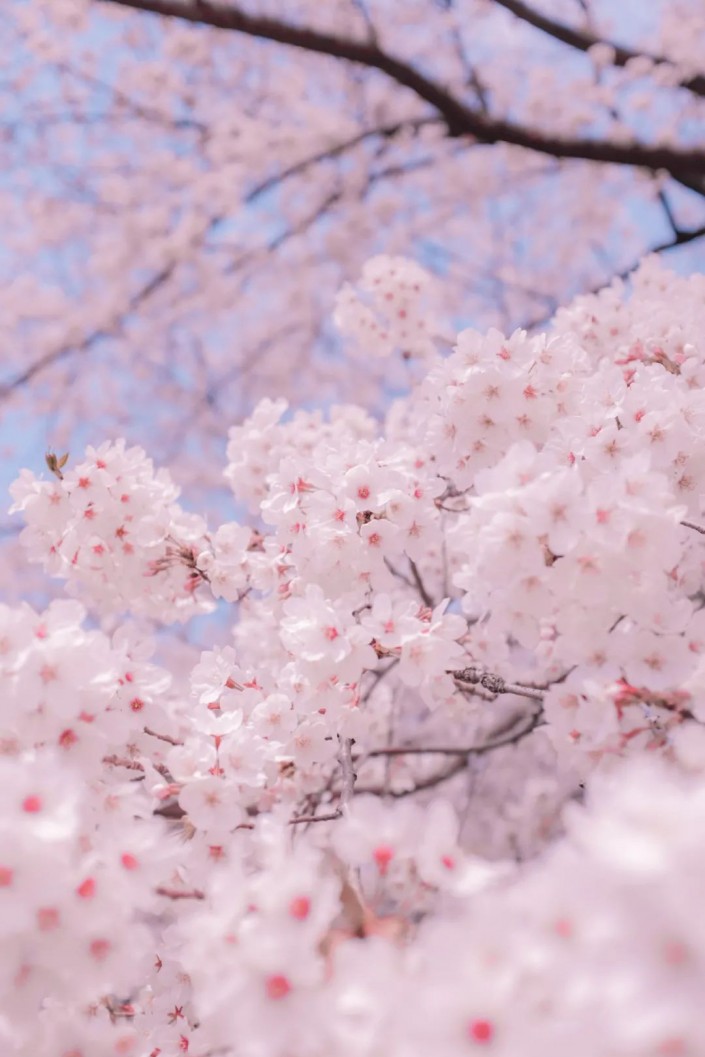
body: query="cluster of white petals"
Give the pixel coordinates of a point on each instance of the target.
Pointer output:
(111, 527)
(358, 828)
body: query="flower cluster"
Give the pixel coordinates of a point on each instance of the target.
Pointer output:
(389, 310)
(113, 530)
(443, 630)
(75, 690)
(80, 864)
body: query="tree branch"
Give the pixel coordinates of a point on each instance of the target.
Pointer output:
(582, 40)
(681, 238)
(692, 525)
(502, 737)
(46, 361)
(328, 153)
(420, 586)
(495, 683)
(460, 119)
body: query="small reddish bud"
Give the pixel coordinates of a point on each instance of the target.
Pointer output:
(300, 907)
(480, 1030)
(32, 804)
(278, 986)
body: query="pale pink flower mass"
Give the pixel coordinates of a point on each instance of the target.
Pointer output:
(365, 717)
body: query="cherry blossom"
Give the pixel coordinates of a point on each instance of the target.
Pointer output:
(439, 786)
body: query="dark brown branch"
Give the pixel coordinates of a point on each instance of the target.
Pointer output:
(692, 525)
(501, 739)
(681, 238)
(379, 675)
(329, 153)
(156, 282)
(582, 40)
(56, 355)
(420, 587)
(668, 213)
(460, 119)
(426, 783)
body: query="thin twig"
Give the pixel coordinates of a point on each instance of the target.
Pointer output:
(379, 675)
(122, 761)
(501, 738)
(399, 575)
(495, 683)
(348, 773)
(692, 525)
(177, 893)
(162, 737)
(420, 587)
(330, 817)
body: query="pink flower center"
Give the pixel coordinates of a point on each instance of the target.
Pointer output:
(299, 907)
(278, 986)
(86, 889)
(383, 855)
(480, 1030)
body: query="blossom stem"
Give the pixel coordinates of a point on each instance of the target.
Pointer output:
(175, 893)
(348, 772)
(503, 736)
(495, 683)
(162, 737)
(692, 525)
(425, 596)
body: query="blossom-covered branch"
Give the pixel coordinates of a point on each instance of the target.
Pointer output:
(584, 40)
(461, 119)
